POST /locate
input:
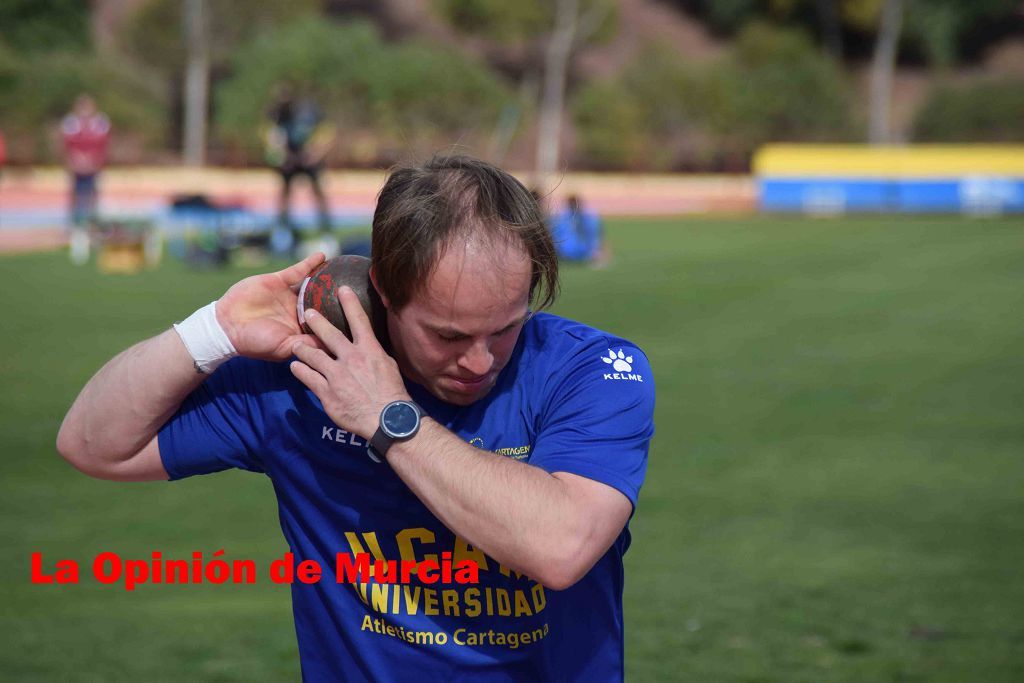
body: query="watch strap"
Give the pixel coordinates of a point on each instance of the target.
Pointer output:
(379, 445)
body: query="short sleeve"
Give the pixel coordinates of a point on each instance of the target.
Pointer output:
(219, 426)
(599, 417)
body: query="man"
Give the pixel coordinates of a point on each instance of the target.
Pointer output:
(86, 134)
(578, 235)
(297, 143)
(528, 457)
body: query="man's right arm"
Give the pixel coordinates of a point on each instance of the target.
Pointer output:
(110, 431)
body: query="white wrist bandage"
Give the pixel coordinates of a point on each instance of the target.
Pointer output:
(205, 339)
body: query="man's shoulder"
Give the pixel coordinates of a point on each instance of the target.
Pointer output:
(554, 331)
(566, 344)
(594, 376)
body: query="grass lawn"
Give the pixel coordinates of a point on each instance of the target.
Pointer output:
(835, 491)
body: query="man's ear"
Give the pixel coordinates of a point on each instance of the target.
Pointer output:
(373, 280)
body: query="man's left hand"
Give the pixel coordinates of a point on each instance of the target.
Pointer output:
(361, 378)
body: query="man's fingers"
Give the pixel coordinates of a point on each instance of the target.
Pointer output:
(308, 340)
(330, 336)
(313, 357)
(358, 322)
(316, 382)
(294, 274)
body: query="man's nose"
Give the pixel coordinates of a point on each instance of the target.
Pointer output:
(477, 359)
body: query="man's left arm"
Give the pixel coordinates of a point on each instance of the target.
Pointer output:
(552, 527)
(549, 524)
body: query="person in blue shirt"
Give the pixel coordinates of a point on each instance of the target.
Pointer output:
(474, 429)
(579, 235)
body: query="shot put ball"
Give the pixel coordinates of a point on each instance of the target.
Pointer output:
(319, 291)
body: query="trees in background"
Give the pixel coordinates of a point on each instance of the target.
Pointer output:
(990, 110)
(548, 34)
(663, 114)
(385, 99)
(38, 88)
(42, 25)
(573, 26)
(189, 46)
(46, 62)
(939, 32)
(496, 70)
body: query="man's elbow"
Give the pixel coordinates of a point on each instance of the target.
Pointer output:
(69, 445)
(560, 578)
(564, 567)
(75, 449)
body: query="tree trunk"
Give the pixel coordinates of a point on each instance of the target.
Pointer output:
(831, 31)
(883, 64)
(197, 82)
(556, 65)
(501, 138)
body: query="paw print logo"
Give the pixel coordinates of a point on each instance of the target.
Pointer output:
(619, 361)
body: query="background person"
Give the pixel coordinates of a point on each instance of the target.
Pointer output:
(579, 234)
(297, 144)
(86, 135)
(528, 457)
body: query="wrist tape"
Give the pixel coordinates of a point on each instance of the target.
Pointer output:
(205, 339)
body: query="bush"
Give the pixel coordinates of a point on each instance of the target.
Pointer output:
(637, 119)
(610, 126)
(38, 25)
(662, 114)
(39, 89)
(408, 94)
(990, 111)
(431, 89)
(777, 87)
(526, 20)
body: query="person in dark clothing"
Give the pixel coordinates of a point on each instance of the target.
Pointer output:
(297, 144)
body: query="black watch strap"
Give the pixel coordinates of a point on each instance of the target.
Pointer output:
(379, 445)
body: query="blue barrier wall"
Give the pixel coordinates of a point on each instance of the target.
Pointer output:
(842, 195)
(979, 179)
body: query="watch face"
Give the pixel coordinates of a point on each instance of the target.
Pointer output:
(400, 420)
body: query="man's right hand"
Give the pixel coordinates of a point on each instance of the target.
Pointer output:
(259, 315)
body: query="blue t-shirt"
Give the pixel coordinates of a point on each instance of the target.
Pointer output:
(571, 399)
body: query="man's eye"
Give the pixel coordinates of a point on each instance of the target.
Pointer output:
(450, 340)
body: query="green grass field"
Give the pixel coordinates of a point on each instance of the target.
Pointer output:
(835, 491)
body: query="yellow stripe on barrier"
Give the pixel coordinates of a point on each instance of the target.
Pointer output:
(864, 161)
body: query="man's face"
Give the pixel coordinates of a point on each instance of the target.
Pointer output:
(457, 334)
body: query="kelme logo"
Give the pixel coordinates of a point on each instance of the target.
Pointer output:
(619, 361)
(622, 366)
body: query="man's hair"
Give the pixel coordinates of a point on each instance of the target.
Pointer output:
(422, 209)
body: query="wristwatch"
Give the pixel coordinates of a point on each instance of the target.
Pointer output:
(399, 421)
